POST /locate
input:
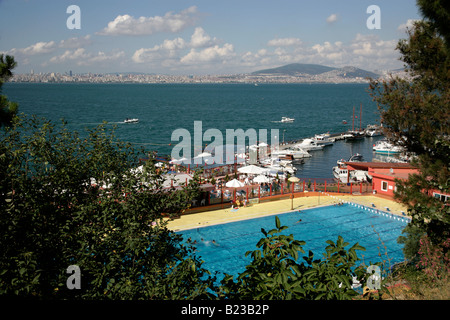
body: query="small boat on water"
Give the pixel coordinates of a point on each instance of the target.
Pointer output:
(286, 119)
(127, 120)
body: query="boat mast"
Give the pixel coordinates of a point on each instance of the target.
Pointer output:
(360, 115)
(353, 122)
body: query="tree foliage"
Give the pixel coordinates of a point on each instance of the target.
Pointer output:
(416, 114)
(8, 109)
(72, 200)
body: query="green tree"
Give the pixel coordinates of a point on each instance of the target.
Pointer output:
(72, 200)
(276, 274)
(8, 109)
(416, 114)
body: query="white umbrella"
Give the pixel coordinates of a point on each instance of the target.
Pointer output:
(234, 184)
(261, 179)
(252, 169)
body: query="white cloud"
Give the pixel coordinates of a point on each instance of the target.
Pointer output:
(332, 18)
(170, 22)
(201, 48)
(34, 49)
(284, 42)
(73, 43)
(82, 58)
(215, 53)
(408, 25)
(201, 39)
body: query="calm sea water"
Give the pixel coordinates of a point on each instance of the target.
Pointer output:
(162, 108)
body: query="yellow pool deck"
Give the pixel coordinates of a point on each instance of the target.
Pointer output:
(207, 218)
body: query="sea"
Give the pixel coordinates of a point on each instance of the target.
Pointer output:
(164, 108)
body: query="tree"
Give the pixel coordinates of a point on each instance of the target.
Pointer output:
(69, 200)
(416, 114)
(7, 109)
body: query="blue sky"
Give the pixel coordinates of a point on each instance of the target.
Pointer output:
(201, 37)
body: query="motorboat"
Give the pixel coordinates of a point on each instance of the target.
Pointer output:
(286, 119)
(373, 131)
(386, 147)
(127, 120)
(340, 171)
(275, 164)
(323, 139)
(309, 145)
(354, 158)
(296, 153)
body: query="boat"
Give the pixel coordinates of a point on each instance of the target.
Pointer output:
(127, 120)
(286, 119)
(296, 153)
(373, 131)
(340, 171)
(323, 139)
(344, 121)
(353, 136)
(385, 147)
(308, 145)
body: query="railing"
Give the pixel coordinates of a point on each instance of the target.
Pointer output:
(261, 192)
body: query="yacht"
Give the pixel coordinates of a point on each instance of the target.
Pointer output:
(385, 147)
(309, 145)
(296, 153)
(340, 171)
(323, 139)
(373, 131)
(286, 119)
(127, 120)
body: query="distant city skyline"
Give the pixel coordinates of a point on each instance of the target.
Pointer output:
(200, 37)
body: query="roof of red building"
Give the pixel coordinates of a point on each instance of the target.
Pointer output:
(375, 165)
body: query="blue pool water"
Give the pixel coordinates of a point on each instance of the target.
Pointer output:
(354, 223)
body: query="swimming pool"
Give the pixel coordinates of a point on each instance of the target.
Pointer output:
(223, 246)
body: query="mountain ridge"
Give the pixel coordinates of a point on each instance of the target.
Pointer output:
(301, 69)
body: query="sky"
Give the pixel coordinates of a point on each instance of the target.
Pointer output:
(188, 37)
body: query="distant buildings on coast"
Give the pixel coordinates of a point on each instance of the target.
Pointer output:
(155, 78)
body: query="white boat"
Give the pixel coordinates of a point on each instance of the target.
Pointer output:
(127, 120)
(286, 119)
(323, 139)
(274, 164)
(385, 147)
(340, 171)
(296, 153)
(309, 145)
(373, 131)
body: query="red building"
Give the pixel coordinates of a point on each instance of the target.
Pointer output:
(384, 174)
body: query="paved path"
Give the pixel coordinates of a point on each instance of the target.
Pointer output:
(202, 219)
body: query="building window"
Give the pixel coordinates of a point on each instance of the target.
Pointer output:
(384, 186)
(442, 197)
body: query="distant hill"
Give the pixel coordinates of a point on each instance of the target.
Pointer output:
(351, 72)
(297, 69)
